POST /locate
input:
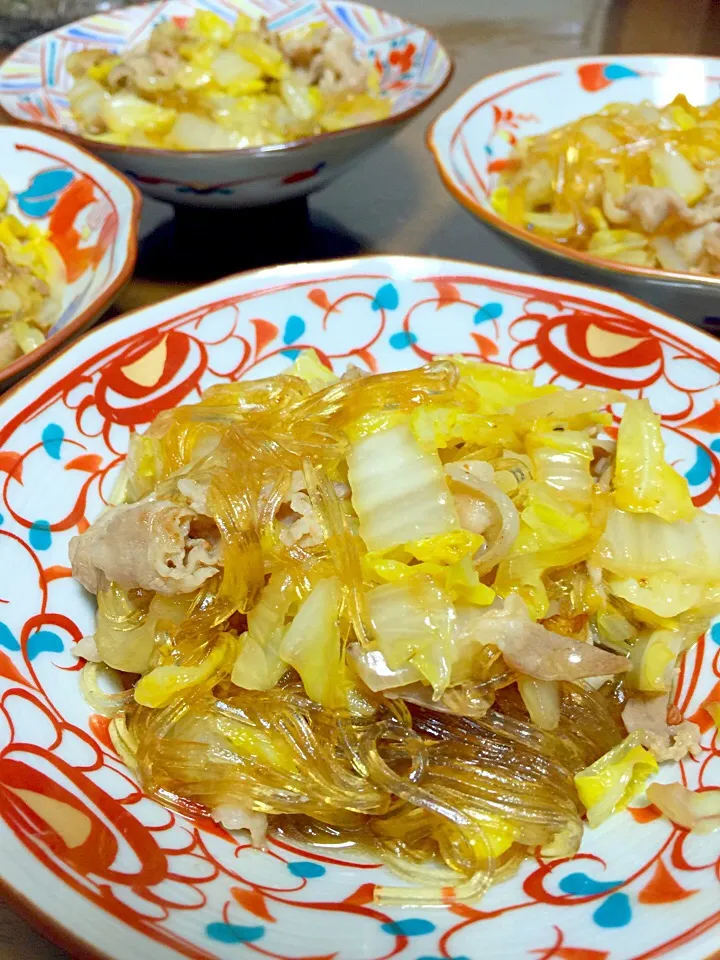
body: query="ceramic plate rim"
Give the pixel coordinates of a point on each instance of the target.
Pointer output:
(105, 297)
(705, 339)
(412, 267)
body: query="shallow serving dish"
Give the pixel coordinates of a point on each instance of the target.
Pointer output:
(470, 140)
(91, 214)
(108, 872)
(413, 69)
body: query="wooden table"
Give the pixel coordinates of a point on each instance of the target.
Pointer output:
(393, 201)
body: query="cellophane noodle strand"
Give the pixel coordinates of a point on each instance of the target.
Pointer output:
(450, 801)
(452, 776)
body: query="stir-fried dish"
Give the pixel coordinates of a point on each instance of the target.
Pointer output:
(633, 183)
(32, 280)
(435, 614)
(204, 84)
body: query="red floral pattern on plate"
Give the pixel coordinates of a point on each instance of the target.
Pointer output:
(183, 887)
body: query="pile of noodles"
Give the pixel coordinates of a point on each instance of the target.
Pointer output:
(414, 786)
(452, 796)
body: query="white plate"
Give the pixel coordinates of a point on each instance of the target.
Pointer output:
(115, 874)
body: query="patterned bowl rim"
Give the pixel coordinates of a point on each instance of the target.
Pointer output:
(493, 219)
(51, 927)
(507, 274)
(104, 297)
(245, 152)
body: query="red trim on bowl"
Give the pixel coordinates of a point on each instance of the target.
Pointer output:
(105, 297)
(50, 926)
(525, 236)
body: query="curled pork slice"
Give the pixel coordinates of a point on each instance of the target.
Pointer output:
(711, 239)
(145, 72)
(667, 741)
(533, 650)
(612, 211)
(336, 69)
(153, 544)
(299, 522)
(474, 515)
(545, 655)
(526, 646)
(166, 38)
(653, 205)
(706, 211)
(86, 649)
(196, 494)
(462, 701)
(302, 46)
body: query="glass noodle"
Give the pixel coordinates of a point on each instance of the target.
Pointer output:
(633, 183)
(393, 612)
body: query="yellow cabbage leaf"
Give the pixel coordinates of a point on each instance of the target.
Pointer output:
(663, 594)
(553, 533)
(258, 665)
(446, 548)
(438, 427)
(562, 459)
(125, 112)
(313, 646)
(495, 837)
(310, 368)
(370, 423)
(209, 26)
(609, 784)
(399, 490)
(695, 810)
(644, 481)
(653, 657)
(413, 622)
(164, 683)
(458, 580)
(641, 545)
(669, 168)
(492, 389)
(257, 744)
